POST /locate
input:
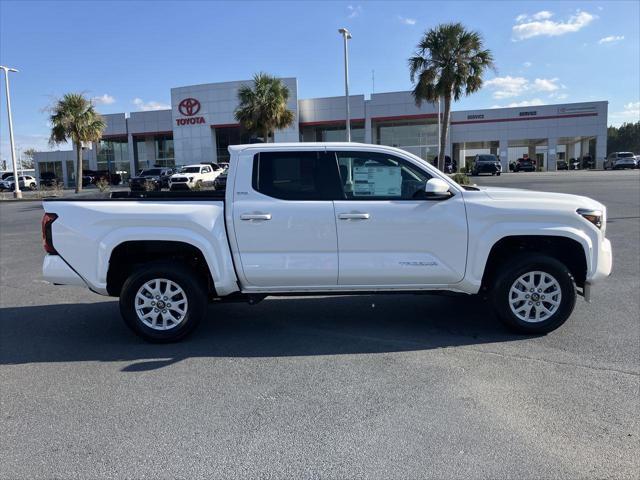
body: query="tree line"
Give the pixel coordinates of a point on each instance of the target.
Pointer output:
(625, 138)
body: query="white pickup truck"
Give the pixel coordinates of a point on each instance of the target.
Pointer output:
(323, 218)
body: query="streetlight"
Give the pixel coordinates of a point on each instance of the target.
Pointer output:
(346, 36)
(16, 179)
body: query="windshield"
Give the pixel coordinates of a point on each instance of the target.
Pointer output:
(487, 158)
(626, 155)
(150, 172)
(190, 170)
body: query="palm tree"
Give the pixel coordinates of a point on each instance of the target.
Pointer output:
(449, 61)
(73, 117)
(263, 106)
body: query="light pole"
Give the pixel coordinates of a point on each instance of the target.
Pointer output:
(16, 179)
(346, 36)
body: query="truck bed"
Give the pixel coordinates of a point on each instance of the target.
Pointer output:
(198, 195)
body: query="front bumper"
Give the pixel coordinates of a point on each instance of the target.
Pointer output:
(55, 270)
(604, 263)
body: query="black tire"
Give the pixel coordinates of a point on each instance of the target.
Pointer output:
(185, 279)
(513, 269)
(498, 173)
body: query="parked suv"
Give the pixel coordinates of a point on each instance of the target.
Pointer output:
(486, 164)
(195, 176)
(48, 179)
(617, 160)
(524, 165)
(24, 182)
(155, 178)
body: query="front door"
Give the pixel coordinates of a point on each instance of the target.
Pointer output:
(284, 220)
(388, 232)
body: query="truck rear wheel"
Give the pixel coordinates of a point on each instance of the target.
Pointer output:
(534, 294)
(162, 302)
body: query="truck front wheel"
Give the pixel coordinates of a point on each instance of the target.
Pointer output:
(534, 294)
(162, 302)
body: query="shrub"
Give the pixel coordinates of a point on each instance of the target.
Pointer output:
(103, 184)
(460, 179)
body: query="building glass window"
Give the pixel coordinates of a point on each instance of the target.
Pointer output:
(226, 136)
(53, 167)
(140, 154)
(113, 155)
(419, 138)
(71, 171)
(332, 133)
(165, 153)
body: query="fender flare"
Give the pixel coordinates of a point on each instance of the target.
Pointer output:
(487, 240)
(218, 259)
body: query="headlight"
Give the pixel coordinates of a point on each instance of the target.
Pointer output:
(594, 216)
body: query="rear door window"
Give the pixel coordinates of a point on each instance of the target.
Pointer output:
(297, 175)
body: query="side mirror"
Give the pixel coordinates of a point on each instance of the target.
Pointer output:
(437, 189)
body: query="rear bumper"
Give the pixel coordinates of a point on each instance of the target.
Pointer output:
(56, 271)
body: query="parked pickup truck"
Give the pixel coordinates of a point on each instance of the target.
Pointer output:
(323, 218)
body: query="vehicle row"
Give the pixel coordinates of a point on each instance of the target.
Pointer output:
(189, 177)
(25, 182)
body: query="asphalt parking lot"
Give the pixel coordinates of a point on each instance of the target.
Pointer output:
(394, 386)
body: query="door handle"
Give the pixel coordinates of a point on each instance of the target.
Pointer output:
(353, 216)
(255, 216)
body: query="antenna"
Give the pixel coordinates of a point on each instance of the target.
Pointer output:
(373, 81)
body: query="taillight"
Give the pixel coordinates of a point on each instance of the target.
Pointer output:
(47, 237)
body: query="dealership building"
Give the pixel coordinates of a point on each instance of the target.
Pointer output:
(201, 125)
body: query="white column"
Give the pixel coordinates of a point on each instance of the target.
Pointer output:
(503, 151)
(368, 134)
(584, 147)
(132, 158)
(552, 154)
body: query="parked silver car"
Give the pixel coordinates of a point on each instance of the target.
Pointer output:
(618, 160)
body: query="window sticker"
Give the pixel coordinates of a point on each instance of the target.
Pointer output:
(377, 181)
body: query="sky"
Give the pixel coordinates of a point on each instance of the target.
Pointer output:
(128, 55)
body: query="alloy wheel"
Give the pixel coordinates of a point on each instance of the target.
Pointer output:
(161, 304)
(535, 296)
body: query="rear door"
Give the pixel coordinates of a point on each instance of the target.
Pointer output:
(284, 220)
(388, 232)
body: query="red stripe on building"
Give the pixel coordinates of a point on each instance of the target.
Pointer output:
(329, 122)
(406, 117)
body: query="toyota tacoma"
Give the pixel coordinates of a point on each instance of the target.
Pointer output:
(322, 219)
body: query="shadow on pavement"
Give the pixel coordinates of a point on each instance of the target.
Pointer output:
(273, 328)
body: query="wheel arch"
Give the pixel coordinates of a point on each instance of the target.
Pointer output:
(119, 253)
(567, 250)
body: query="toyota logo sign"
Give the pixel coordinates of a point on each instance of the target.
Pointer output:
(189, 107)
